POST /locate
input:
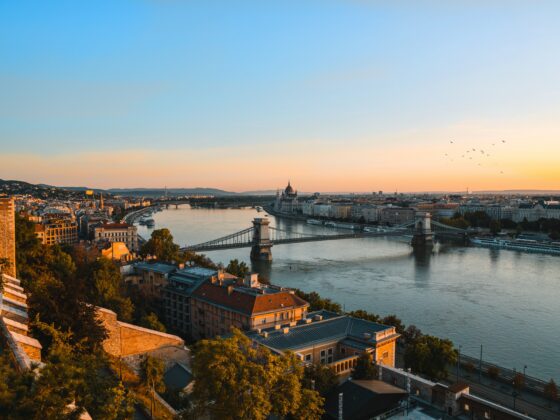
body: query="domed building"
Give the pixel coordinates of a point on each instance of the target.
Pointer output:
(287, 201)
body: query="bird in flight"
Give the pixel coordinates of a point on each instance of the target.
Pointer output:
(451, 142)
(503, 141)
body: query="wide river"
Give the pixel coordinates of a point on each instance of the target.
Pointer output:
(508, 302)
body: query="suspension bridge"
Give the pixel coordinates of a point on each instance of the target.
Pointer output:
(261, 237)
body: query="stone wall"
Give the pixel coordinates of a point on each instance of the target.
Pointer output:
(127, 339)
(8, 234)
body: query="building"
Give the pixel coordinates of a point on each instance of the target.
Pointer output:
(204, 303)
(396, 215)
(331, 339)
(58, 231)
(8, 236)
(287, 201)
(217, 305)
(117, 232)
(177, 296)
(150, 277)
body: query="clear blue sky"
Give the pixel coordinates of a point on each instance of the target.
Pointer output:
(344, 95)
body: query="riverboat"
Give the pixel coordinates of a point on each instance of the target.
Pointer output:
(314, 222)
(524, 245)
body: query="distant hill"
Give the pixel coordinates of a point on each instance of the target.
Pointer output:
(157, 192)
(36, 190)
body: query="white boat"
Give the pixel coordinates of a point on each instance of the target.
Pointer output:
(314, 222)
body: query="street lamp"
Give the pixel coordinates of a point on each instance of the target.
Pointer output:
(458, 362)
(514, 395)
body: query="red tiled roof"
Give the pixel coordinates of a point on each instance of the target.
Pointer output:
(115, 225)
(247, 303)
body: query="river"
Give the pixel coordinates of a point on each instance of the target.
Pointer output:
(506, 301)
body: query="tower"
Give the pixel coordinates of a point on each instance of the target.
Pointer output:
(423, 236)
(7, 236)
(261, 249)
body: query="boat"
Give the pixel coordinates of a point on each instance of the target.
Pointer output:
(150, 223)
(524, 245)
(259, 208)
(314, 222)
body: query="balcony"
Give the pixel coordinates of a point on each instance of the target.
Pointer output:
(345, 365)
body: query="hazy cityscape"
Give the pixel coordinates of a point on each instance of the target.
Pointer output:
(283, 210)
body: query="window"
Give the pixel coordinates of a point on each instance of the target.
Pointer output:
(342, 350)
(308, 358)
(466, 407)
(385, 355)
(322, 353)
(330, 351)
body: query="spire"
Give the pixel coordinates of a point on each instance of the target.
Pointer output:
(101, 201)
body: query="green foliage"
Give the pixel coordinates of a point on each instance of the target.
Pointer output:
(361, 314)
(152, 322)
(161, 246)
(365, 368)
(493, 372)
(235, 380)
(71, 375)
(316, 302)
(551, 390)
(56, 293)
(319, 377)
(430, 355)
(495, 227)
(238, 269)
(104, 280)
(477, 219)
(456, 221)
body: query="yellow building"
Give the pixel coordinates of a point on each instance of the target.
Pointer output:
(60, 231)
(331, 339)
(117, 251)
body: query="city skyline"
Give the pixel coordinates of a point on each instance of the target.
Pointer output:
(337, 96)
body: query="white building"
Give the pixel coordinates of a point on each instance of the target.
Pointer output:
(117, 232)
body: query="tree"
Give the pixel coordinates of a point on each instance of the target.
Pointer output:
(152, 322)
(104, 279)
(365, 367)
(316, 302)
(233, 379)
(495, 227)
(320, 378)
(238, 269)
(152, 377)
(360, 313)
(161, 246)
(493, 372)
(394, 321)
(430, 355)
(551, 390)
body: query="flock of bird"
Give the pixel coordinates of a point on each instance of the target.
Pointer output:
(473, 154)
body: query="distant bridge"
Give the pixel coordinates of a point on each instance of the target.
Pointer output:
(261, 237)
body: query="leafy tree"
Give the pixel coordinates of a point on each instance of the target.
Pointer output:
(430, 355)
(411, 334)
(365, 367)
(238, 269)
(457, 221)
(493, 372)
(361, 314)
(233, 379)
(316, 302)
(152, 322)
(495, 227)
(319, 377)
(394, 321)
(551, 390)
(104, 279)
(152, 377)
(161, 246)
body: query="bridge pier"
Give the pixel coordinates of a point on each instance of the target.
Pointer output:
(423, 239)
(262, 248)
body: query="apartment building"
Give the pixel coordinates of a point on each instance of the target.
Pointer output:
(117, 232)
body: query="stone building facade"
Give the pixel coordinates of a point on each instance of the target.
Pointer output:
(8, 235)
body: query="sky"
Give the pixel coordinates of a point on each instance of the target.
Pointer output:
(352, 95)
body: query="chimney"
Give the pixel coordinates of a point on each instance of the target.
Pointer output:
(318, 318)
(251, 280)
(286, 330)
(230, 289)
(277, 326)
